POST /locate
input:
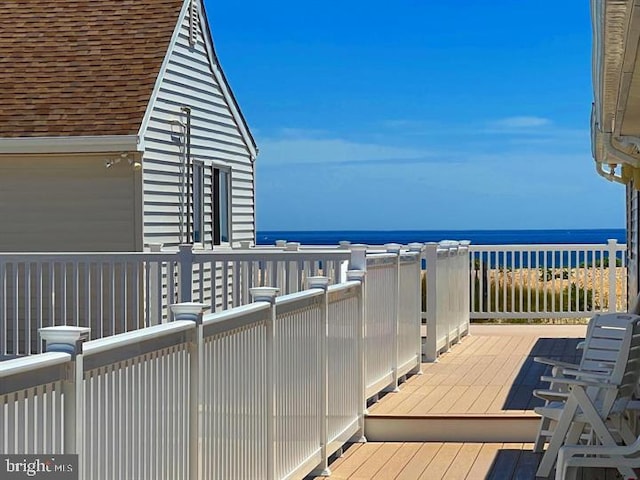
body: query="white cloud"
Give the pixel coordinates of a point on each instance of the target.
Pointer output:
(301, 151)
(520, 122)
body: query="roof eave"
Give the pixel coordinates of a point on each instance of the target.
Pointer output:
(73, 144)
(616, 29)
(226, 88)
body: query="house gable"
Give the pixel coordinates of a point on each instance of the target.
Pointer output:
(199, 35)
(191, 78)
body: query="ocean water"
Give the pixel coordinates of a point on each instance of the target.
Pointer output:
(477, 237)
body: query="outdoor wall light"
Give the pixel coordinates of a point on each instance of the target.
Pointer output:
(123, 156)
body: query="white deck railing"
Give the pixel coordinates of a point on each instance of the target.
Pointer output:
(118, 292)
(31, 393)
(447, 298)
(547, 281)
(266, 390)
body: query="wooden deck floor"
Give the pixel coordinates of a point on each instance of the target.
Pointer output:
(450, 461)
(490, 372)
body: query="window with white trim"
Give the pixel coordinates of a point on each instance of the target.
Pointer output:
(221, 206)
(198, 202)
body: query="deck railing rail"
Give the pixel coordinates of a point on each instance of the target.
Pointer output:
(118, 292)
(547, 281)
(265, 390)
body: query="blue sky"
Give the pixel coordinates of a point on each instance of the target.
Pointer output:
(417, 114)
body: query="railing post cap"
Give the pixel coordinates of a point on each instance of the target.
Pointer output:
(245, 244)
(465, 243)
(450, 243)
(264, 294)
(344, 244)
(154, 247)
(281, 243)
(356, 275)
(188, 311)
(318, 282)
(292, 246)
(359, 247)
(612, 240)
(64, 338)
(415, 246)
(393, 247)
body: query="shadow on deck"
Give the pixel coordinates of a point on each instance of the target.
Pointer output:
(520, 396)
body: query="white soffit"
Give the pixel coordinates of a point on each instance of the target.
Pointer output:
(88, 144)
(610, 19)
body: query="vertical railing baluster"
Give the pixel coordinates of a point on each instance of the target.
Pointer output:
(111, 269)
(27, 307)
(124, 276)
(14, 321)
(75, 295)
(612, 255)
(518, 272)
(237, 273)
(135, 288)
(88, 292)
(39, 303)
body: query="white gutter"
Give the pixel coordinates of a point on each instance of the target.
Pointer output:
(605, 152)
(78, 144)
(597, 21)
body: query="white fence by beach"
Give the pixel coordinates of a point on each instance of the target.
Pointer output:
(547, 281)
(266, 390)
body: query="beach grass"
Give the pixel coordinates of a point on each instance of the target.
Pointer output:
(538, 290)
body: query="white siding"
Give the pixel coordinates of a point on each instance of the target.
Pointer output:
(216, 140)
(66, 203)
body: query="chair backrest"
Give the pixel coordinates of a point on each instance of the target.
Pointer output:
(605, 335)
(616, 342)
(626, 374)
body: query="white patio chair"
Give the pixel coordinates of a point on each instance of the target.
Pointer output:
(595, 399)
(599, 351)
(572, 456)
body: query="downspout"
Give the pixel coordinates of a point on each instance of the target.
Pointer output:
(605, 152)
(613, 156)
(187, 112)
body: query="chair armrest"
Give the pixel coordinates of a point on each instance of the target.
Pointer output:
(555, 363)
(551, 395)
(578, 382)
(604, 375)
